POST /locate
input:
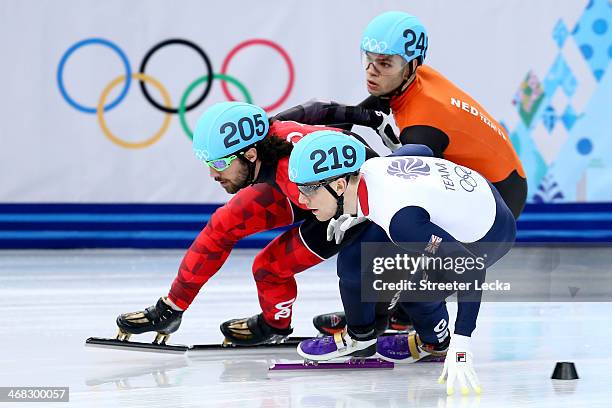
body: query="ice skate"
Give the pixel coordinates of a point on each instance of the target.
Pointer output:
(408, 348)
(161, 318)
(399, 322)
(331, 323)
(252, 331)
(339, 345)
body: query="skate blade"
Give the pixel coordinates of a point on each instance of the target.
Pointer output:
(123, 336)
(432, 358)
(135, 346)
(353, 364)
(290, 342)
(161, 338)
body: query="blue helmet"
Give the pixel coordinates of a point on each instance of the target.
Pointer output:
(323, 155)
(227, 128)
(396, 33)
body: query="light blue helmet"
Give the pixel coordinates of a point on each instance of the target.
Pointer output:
(323, 155)
(227, 128)
(396, 32)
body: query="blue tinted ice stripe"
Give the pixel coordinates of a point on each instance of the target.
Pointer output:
(603, 216)
(104, 217)
(595, 234)
(149, 235)
(106, 208)
(204, 217)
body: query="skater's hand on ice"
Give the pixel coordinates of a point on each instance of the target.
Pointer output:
(458, 366)
(337, 227)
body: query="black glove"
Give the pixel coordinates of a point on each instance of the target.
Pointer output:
(381, 123)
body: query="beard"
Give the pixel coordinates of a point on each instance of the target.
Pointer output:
(233, 186)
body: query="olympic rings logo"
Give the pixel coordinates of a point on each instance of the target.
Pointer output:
(373, 45)
(467, 182)
(166, 106)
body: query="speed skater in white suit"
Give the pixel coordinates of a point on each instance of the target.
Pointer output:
(418, 205)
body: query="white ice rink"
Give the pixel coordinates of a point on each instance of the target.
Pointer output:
(51, 301)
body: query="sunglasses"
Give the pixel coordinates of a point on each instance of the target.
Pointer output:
(223, 163)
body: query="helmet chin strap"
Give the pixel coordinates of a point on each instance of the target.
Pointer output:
(339, 201)
(403, 86)
(251, 176)
(339, 198)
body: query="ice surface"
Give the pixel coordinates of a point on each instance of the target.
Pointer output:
(51, 301)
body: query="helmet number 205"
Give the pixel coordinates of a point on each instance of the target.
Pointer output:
(421, 44)
(245, 128)
(348, 152)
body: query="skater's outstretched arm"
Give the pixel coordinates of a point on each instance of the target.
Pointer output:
(320, 112)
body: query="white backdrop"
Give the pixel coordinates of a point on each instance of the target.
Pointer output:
(52, 152)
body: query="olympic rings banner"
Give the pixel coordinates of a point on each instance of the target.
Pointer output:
(166, 107)
(100, 97)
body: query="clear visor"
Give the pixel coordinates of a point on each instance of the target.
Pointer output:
(383, 64)
(310, 189)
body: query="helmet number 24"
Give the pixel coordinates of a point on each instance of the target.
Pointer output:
(245, 128)
(348, 152)
(421, 44)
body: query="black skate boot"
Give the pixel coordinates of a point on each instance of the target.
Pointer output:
(399, 322)
(252, 331)
(161, 318)
(330, 323)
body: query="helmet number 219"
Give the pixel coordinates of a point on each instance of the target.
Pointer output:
(348, 152)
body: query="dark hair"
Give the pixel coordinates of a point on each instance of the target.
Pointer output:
(273, 148)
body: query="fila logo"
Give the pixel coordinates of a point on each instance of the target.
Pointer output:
(284, 309)
(461, 357)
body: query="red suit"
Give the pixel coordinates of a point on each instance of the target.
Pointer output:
(271, 203)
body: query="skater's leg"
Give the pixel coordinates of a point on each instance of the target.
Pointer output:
(294, 251)
(359, 314)
(274, 269)
(430, 320)
(360, 337)
(335, 322)
(253, 209)
(256, 208)
(432, 337)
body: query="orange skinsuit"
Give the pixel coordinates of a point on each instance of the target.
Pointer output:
(476, 140)
(434, 112)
